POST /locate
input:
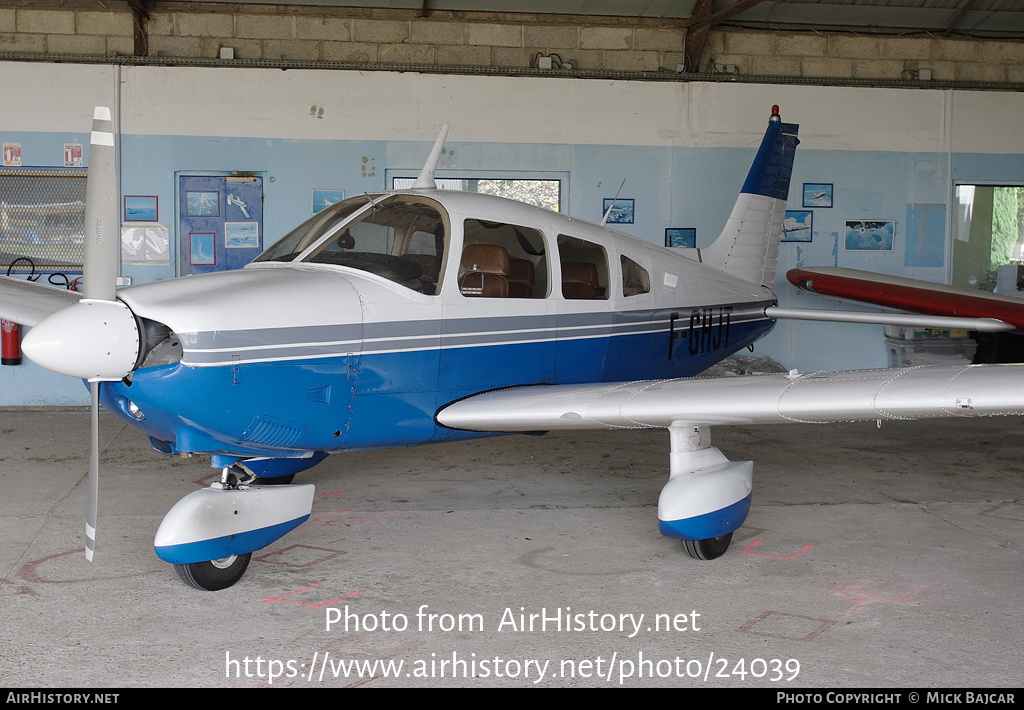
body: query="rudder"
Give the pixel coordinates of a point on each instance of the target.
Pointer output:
(748, 246)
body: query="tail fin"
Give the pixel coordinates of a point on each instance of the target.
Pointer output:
(748, 246)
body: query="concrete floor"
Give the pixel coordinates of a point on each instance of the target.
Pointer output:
(870, 558)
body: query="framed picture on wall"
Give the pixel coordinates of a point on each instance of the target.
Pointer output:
(141, 208)
(202, 203)
(796, 226)
(685, 237)
(817, 194)
(622, 212)
(201, 249)
(869, 234)
(322, 199)
(241, 235)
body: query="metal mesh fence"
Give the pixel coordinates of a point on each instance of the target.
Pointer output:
(42, 214)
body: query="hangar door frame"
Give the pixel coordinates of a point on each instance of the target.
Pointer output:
(959, 254)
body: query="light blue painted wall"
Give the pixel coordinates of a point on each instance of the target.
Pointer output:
(678, 186)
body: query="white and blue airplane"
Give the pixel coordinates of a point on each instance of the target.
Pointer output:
(423, 315)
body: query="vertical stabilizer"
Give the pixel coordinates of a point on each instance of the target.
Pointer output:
(748, 246)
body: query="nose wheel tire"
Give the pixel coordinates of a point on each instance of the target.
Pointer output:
(707, 549)
(214, 575)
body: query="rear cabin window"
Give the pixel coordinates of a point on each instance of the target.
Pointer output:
(584, 269)
(635, 279)
(502, 260)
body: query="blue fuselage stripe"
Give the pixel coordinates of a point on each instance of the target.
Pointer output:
(388, 397)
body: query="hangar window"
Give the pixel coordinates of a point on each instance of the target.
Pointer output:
(539, 193)
(42, 220)
(635, 279)
(584, 269)
(502, 261)
(988, 232)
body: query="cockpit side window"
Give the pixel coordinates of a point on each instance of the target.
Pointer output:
(401, 239)
(584, 269)
(502, 260)
(635, 279)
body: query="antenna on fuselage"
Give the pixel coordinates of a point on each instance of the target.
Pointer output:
(426, 178)
(604, 219)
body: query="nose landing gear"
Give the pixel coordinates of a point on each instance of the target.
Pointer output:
(210, 534)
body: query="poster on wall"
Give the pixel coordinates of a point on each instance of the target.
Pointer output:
(817, 194)
(201, 249)
(141, 208)
(925, 235)
(322, 199)
(869, 234)
(621, 210)
(146, 244)
(681, 237)
(241, 235)
(73, 155)
(202, 203)
(796, 226)
(12, 155)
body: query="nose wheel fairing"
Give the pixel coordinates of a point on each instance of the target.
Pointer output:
(216, 523)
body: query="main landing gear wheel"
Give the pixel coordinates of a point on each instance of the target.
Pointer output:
(709, 549)
(214, 575)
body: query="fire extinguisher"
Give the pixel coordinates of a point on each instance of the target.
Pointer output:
(11, 342)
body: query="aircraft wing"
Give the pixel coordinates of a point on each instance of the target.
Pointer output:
(707, 497)
(28, 303)
(818, 397)
(908, 294)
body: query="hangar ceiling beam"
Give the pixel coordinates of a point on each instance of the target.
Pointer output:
(702, 21)
(140, 17)
(958, 15)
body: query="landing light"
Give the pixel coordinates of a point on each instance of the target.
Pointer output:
(130, 408)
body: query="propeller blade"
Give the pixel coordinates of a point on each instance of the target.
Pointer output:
(94, 473)
(115, 325)
(102, 226)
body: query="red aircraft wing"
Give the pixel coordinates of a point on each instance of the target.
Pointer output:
(908, 294)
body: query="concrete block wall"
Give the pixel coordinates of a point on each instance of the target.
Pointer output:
(831, 55)
(402, 37)
(56, 30)
(294, 33)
